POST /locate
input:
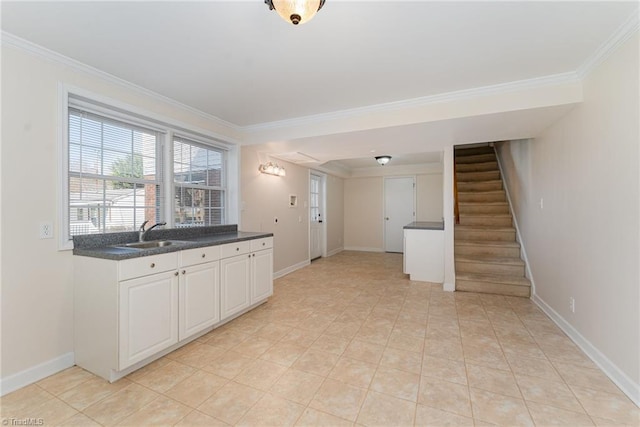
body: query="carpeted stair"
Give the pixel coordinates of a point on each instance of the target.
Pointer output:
(487, 255)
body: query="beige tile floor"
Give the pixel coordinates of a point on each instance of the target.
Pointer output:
(350, 341)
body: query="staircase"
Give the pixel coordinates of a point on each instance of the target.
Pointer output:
(487, 255)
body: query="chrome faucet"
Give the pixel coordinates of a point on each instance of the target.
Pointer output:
(142, 233)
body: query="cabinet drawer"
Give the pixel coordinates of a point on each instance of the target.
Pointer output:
(199, 255)
(143, 266)
(259, 244)
(233, 249)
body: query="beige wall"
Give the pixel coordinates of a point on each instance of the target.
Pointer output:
(429, 197)
(266, 197)
(37, 298)
(364, 208)
(335, 213)
(583, 243)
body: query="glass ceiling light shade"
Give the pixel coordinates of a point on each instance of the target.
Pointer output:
(383, 160)
(272, 169)
(296, 11)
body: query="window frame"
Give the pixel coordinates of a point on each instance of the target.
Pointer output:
(77, 98)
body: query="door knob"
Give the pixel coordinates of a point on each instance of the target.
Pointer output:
(387, 218)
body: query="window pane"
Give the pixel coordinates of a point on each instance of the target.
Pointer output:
(198, 174)
(114, 154)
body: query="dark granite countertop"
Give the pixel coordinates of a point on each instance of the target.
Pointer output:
(425, 225)
(108, 246)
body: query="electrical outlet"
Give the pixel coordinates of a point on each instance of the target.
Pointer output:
(572, 304)
(46, 230)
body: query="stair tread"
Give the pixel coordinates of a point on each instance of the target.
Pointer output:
(496, 243)
(465, 152)
(482, 157)
(489, 259)
(483, 228)
(484, 215)
(496, 278)
(493, 181)
(482, 203)
(476, 192)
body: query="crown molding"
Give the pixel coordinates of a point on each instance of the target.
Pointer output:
(465, 94)
(9, 39)
(621, 35)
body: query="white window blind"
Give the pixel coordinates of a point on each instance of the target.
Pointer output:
(199, 183)
(114, 178)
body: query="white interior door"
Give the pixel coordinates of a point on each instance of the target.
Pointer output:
(316, 219)
(399, 210)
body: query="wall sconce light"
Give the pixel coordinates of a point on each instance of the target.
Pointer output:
(272, 169)
(383, 160)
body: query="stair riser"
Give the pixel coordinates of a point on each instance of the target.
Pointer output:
(493, 288)
(480, 186)
(477, 167)
(483, 209)
(478, 176)
(475, 250)
(482, 197)
(504, 221)
(503, 236)
(480, 267)
(474, 151)
(476, 158)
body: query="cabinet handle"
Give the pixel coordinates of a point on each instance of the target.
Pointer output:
(203, 255)
(264, 243)
(184, 271)
(175, 274)
(237, 249)
(153, 265)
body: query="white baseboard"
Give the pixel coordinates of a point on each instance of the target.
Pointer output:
(290, 269)
(362, 249)
(334, 252)
(448, 287)
(622, 380)
(36, 373)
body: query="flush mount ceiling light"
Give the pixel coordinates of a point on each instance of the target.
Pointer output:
(272, 169)
(295, 11)
(383, 160)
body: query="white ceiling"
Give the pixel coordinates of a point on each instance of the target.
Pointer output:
(240, 62)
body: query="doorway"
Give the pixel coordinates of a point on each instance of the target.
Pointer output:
(399, 210)
(317, 221)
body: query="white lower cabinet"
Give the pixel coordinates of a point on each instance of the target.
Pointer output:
(235, 282)
(261, 275)
(126, 312)
(245, 279)
(199, 298)
(199, 290)
(148, 316)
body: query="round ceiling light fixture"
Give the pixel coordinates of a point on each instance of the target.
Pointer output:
(383, 160)
(295, 11)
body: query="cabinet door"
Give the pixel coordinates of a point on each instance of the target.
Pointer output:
(199, 298)
(148, 316)
(234, 285)
(261, 275)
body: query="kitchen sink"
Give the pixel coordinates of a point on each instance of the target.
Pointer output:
(152, 244)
